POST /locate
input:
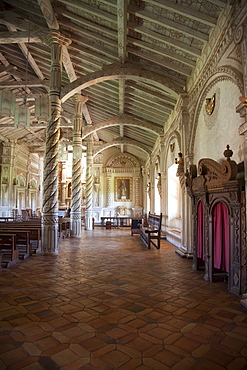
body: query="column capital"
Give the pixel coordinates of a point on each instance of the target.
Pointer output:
(55, 37)
(80, 98)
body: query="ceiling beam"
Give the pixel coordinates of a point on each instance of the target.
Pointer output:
(17, 37)
(122, 40)
(29, 57)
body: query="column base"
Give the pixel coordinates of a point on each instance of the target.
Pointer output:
(75, 225)
(49, 244)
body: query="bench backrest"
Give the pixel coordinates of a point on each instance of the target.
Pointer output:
(155, 220)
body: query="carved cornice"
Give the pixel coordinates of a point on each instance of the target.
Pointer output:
(213, 176)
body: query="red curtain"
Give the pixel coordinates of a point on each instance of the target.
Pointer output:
(221, 237)
(200, 231)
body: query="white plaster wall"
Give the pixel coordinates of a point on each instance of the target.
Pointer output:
(210, 142)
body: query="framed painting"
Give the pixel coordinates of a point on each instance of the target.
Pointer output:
(123, 189)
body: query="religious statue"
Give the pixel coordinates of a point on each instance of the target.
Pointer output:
(180, 162)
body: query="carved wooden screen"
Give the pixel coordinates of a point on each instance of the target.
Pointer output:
(219, 186)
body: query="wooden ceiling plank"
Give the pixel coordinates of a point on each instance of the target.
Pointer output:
(85, 51)
(88, 34)
(111, 54)
(154, 59)
(162, 51)
(157, 105)
(165, 39)
(18, 21)
(146, 116)
(152, 90)
(167, 23)
(184, 10)
(90, 10)
(84, 22)
(144, 92)
(156, 114)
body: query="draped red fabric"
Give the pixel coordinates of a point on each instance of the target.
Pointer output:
(200, 231)
(221, 237)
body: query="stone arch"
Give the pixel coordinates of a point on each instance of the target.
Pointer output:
(217, 75)
(121, 141)
(116, 71)
(174, 136)
(117, 120)
(21, 181)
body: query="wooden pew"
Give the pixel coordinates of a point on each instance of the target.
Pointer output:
(8, 251)
(34, 229)
(63, 227)
(22, 240)
(151, 232)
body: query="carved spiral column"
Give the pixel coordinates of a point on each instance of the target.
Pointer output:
(89, 185)
(50, 184)
(63, 185)
(77, 168)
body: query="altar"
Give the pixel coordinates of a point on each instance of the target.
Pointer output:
(117, 221)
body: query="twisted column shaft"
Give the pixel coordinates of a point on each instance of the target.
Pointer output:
(50, 181)
(89, 184)
(77, 169)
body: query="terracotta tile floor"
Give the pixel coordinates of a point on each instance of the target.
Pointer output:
(107, 302)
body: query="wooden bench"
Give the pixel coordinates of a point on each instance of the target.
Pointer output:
(34, 229)
(22, 240)
(151, 231)
(8, 251)
(63, 227)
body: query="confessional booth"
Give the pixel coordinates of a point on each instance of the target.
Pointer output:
(219, 213)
